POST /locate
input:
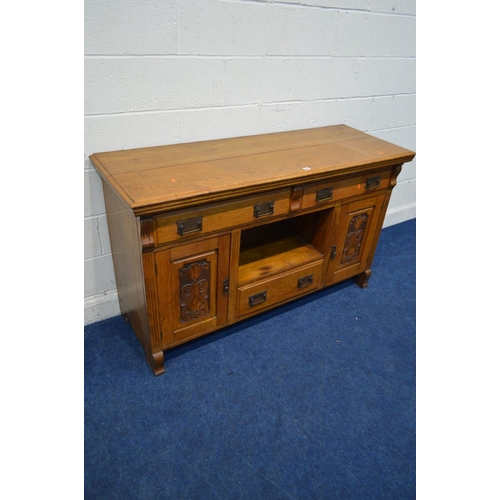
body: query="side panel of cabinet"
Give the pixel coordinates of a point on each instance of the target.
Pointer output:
(129, 266)
(353, 237)
(192, 291)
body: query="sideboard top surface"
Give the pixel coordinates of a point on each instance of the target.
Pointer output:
(160, 178)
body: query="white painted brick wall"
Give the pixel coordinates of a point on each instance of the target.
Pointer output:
(164, 72)
(222, 28)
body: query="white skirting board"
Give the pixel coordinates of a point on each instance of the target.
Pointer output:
(101, 306)
(400, 214)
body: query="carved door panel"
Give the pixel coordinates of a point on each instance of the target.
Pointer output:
(192, 288)
(354, 238)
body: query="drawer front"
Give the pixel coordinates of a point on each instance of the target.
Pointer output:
(266, 293)
(326, 192)
(218, 216)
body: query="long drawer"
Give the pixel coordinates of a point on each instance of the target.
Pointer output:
(326, 192)
(280, 288)
(218, 216)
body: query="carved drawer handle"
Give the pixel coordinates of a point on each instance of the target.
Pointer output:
(261, 209)
(372, 183)
(187, 226)
(258, 298)
(324, 194)
(305, 281)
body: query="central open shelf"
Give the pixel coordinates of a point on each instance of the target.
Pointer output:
(274, 257)
(278, 247)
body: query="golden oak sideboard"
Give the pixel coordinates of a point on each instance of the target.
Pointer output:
(209, 233)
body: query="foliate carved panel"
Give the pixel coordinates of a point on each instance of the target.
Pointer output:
(354, 239)
(194, 281)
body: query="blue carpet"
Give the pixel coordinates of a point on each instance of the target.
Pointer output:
(314, 400)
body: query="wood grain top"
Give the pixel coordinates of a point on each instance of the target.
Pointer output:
(168, 177)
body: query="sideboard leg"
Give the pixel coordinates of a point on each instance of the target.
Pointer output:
(362, 279)
(156, 362)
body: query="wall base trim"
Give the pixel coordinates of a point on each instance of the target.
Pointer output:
(102, 306)
(400, 214)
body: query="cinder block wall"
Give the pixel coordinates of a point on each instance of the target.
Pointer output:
(170, 71)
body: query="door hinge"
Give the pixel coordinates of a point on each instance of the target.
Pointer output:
(333, 252)
(225, 287)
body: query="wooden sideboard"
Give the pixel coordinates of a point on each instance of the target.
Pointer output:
(209, 233)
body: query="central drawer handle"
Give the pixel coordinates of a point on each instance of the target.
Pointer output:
(258, 298)
(324, 194)
(305, 281)
(191, 225)
(261, 209)
(372, 183)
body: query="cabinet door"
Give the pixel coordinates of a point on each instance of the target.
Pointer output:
(354, 237)
(192, 288)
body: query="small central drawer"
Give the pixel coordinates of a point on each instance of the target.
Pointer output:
(218, 216)
(280, 288)
(326, 192)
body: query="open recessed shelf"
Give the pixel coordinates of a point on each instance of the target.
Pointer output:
(274, 248)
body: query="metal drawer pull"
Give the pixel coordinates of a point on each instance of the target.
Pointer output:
(305, 281)
(372, 183)
(261, 209)
(324, 194)
(258, 298)
(187, 226)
